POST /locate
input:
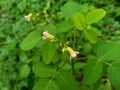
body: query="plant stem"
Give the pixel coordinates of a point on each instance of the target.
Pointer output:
(54, 75)
(73, 70)
(101, 60)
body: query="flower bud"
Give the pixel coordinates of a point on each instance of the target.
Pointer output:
(46, 35)
(28, 17)
(72, 52)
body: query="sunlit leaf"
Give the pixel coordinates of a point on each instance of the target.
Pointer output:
(91, 35)
(95, 15)
(79, 21)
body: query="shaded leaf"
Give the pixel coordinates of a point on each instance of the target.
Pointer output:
(65, 81)
(50, 28)
(67, 66)
(30, 41)
(64, 26)
(107, 51)
(24, 71)
(87, 47)
(42, 70)
(45, 84)
(107, 86)
(114, 74)
(69, 9)
(48, 52)
(93, 71)
(79, 65)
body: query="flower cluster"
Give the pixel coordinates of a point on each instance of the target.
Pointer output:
(72, 53)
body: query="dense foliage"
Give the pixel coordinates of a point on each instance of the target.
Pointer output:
(59, 45)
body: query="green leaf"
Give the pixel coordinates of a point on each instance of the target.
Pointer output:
(114, 74)
(42, 70)
(79, 66)
(87, 47)
(107, 51)
(98, 32)
(64, 26)
(65, 81)
(50, 28)
(91, 35)
(93, 71)
(69, 9)
(95, 15)
(48, 52)
(24, 71)
(24, 58)
(79, 21)
(107, 86)
(45, 84)
(67, 66)
(36, 57)
(40, 43)
(30, 41)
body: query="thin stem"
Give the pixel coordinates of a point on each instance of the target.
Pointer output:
(74, 40)
(79, 39)
(59, 41)
(54, 75)
(101, 60)
(73, 70)
(82, 58)
(105, 62)
(74, 37)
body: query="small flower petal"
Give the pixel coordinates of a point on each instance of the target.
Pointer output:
(46, 32)
(43, 37)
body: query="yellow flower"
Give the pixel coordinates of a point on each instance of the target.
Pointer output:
(46, 35)
(72, 53)
(28, 17)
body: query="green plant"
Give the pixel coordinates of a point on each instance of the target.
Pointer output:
(52, 52)
(59, 47)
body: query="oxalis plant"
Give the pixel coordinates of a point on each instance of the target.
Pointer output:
(70, 55)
